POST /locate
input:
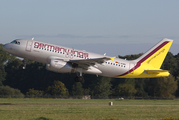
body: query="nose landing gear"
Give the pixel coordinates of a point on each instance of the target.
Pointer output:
(25, 62)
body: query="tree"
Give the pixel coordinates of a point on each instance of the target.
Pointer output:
(131, 57)
(6, 90)
(140, 86)
(58, 88)
(2, 74)
(102, 88)
(163, 87)
(14, 77)
(77, 89)
(3, 58)
(170, 63)
(33, 92)
(125, 90)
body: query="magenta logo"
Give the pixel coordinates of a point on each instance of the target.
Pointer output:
(69, 52)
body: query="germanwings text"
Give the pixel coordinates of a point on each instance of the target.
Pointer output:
(61, 49)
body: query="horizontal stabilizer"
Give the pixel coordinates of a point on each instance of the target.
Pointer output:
(154, 71)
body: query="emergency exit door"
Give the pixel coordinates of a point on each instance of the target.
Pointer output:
(29, 46)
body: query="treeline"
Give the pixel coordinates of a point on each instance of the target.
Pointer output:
(36, 80)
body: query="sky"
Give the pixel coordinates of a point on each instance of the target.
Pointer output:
(115, 27)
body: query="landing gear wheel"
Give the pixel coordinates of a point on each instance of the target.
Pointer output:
(79, 79)
(25, 62)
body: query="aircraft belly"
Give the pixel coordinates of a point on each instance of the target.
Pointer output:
(111, 71)
(35, 56)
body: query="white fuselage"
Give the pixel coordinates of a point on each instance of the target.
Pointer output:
(68, 60)
(44, 52)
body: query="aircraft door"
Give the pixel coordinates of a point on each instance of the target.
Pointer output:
(131, 67)
(29, 46)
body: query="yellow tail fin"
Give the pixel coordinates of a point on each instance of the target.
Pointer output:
(148, 65)
(156, 55)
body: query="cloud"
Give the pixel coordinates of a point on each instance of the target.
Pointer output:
(95, 37)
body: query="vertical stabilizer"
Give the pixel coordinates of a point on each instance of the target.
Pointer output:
(156, 55)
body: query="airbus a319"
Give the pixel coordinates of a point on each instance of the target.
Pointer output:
(68, 60)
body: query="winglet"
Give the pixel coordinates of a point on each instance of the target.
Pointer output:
(112, 58)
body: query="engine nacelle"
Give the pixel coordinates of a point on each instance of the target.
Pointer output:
(59, 66)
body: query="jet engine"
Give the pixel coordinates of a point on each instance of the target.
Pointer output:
(59, 66)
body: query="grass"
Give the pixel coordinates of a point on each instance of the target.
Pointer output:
(94, 109)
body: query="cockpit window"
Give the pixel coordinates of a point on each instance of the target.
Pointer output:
(16, 42)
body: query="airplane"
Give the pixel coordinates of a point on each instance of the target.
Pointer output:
(69, 60)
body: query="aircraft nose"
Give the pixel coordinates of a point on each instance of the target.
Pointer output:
(5, 47)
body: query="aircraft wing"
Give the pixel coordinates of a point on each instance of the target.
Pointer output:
(91, 61)
(154, 71)
(84, 63)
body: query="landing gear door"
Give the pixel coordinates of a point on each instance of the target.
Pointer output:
(29, 46)
(131, 67)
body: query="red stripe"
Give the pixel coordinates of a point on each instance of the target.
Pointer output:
(145, 58)
(154, 51)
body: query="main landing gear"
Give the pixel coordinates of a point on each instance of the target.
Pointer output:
(79, 77)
